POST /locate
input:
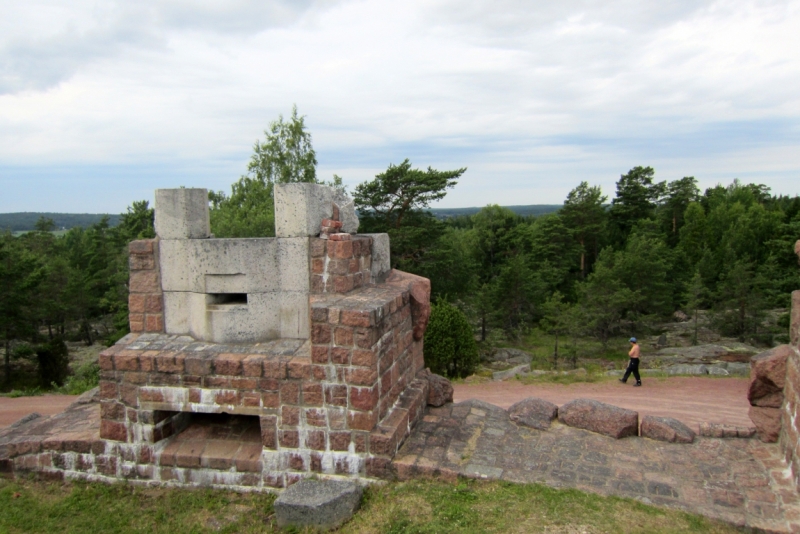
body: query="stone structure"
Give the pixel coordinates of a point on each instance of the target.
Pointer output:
(790, 411)
(253, 363)
(322, 505)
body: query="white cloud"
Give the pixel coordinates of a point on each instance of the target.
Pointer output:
(532, 97)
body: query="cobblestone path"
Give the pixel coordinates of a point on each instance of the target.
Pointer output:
(741, 481)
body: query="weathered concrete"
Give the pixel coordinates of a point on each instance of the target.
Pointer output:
(381, 257)
(323, 504)
(182, 213)
(741, 481)
(301, 207)
(269, 277)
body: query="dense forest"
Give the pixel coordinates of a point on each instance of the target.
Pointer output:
(594, 267)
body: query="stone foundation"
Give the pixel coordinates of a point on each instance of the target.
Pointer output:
(252, 363)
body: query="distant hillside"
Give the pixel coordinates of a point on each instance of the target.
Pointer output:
(26, 221)
(532, 209)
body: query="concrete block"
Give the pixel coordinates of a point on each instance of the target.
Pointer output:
(300, 208)
(185, 265)
(294, 315)
(381, 257)
(323, 504)
(196, 315)
(293, 263)
(258, 320)
(182, 214)
(178, 308)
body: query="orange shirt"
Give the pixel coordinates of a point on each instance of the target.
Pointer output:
(634, 353)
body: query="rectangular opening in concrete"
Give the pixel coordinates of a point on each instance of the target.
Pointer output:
(221, 300)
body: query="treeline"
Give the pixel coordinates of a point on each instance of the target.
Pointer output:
(68, 287)
(604, 270)
(26, 221)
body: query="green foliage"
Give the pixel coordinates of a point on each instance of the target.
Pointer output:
(53, 358)
(450, 348)
(636, 199)
(400, 190)
(86, 377)
(583, 213)
(286, 155)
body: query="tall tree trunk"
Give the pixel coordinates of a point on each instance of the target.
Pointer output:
(583, 259)
(555, 353)
(8, 359)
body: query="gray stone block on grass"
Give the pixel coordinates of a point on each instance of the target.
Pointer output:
(600, 417)
(511, 373)
(324, 504)
(534, 413)
(687, 369)
(666, 429)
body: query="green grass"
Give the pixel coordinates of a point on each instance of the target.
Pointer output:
(26, 392)
(86, 377)
(399, 508)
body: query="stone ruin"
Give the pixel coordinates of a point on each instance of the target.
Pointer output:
(252, 363)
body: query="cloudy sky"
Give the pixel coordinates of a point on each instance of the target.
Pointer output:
(103, 101)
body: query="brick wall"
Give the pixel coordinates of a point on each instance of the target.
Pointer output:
(790, 416)
(145, 299)
(340, 266)
(339, 405)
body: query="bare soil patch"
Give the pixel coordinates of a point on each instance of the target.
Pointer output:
(14, 409)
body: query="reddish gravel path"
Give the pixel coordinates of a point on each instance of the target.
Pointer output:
(691, 400)
(14, 409)
(688, 399)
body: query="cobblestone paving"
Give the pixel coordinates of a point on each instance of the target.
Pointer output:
(741, 481)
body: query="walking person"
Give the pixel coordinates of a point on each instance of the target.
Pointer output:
(633, 365)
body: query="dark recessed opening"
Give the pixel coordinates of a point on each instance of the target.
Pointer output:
(222, 426)
(227, 298)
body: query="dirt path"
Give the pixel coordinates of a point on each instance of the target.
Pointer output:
(14, 409)
(691, 400)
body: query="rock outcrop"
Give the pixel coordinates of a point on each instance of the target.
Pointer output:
(767, 422)
(767, 380)
(600, 417)
(533, 412)
(666, 429)
(440, 390)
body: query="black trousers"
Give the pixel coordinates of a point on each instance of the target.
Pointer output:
(633, 367)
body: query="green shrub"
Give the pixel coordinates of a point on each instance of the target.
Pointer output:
(450, 348)
(53, 359)
(86, 377)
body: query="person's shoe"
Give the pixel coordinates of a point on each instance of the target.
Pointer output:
(637, 385)
(621, 380)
